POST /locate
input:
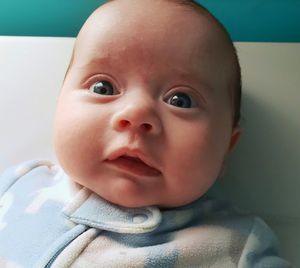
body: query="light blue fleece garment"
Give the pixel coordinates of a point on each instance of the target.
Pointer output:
(46, 222)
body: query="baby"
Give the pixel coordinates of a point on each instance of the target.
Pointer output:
(147, 115)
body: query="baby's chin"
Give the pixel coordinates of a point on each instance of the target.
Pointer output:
(129, 196)
(140, 202)
(127, 202)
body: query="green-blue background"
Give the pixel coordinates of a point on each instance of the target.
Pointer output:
(246, 20)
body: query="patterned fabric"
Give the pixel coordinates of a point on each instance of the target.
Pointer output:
(45, 221)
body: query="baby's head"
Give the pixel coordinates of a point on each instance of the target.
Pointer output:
(149, 107)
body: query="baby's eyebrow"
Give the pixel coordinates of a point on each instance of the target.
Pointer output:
(195, 80)
(94, 62)
(93, 66)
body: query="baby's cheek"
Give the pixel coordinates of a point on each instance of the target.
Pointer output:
(71, 144)
(195, 167)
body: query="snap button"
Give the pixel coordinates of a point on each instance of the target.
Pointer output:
(139, 218)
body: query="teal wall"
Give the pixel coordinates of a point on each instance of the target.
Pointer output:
(246, 20)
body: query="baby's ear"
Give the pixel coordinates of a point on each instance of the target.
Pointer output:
(235, 137)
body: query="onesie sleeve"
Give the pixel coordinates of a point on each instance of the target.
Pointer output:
(12, 174)
(261, 248)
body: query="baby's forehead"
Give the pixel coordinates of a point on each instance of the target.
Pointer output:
(120, 26)
(158, 26)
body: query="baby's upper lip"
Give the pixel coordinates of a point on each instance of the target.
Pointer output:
(134, 153)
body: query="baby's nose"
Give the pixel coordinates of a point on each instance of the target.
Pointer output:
(137, 118)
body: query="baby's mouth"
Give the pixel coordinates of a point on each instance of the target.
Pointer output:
(133, 165)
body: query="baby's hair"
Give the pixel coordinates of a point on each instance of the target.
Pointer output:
(235, 84)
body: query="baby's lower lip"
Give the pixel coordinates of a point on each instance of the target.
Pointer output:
(134, 166)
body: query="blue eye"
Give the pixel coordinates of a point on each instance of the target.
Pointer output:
(103, 88)
(180, 100)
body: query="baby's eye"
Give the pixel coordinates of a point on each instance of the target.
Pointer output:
(181, 100)
(103, 88)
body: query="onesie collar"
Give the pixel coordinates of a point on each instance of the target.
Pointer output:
(90, 209)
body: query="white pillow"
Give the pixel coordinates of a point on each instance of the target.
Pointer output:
(31, 73)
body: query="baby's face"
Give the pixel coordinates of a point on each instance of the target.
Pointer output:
(144, 116)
